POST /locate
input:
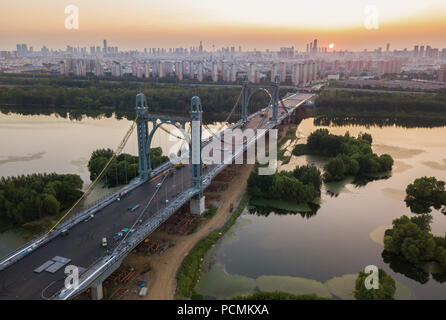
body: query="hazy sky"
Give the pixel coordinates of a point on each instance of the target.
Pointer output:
(251, 23)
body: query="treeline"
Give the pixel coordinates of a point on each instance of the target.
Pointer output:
(120, 96)
(123, 168)
(302, 185)
(32, 197)
(404, 121)
(350, 156)
(351, 103)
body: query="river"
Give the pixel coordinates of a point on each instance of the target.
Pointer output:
(322, 253)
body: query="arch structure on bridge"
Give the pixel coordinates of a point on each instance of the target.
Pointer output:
(145, 136)
(248, 91)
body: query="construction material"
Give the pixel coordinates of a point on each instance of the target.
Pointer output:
(44, 266)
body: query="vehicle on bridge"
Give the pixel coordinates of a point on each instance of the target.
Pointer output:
(179, 165)
(132, 209)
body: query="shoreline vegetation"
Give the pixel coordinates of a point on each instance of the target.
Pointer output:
(348, 156)
(123, 168)
(342, 107)
(187, 274)
(30, 203)
(286, 190)
(98, 96)
(410, 247)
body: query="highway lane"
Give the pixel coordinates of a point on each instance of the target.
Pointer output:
(83, 243)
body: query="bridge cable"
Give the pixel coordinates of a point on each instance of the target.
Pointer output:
(94, 183)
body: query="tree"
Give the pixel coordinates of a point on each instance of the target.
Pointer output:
(424, 193)
(385, 291)
(366, 136)
(406, 238)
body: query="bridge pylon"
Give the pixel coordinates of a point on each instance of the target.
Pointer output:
(142, 111)
(197, 204)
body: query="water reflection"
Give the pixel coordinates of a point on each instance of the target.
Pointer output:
(399, 265)
(403, 122)
(346, 232)
(266, 211)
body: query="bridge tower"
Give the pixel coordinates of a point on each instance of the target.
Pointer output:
(249, 89)
(196, 112)
(143, 136)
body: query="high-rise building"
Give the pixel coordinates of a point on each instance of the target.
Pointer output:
(179, 70)
(105, 47)
(442, 73)
(200, 72)
(214, 72)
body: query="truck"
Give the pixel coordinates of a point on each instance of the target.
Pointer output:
(121, 194)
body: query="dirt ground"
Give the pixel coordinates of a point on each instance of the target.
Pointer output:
(161, 279)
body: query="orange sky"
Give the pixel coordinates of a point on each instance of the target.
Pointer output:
(252, 24)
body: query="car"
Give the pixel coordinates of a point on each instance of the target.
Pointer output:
(64, 232)
(104, 242)
(167, 201)
(90, 216)
(118, 236)
(132, 209)
(158, 185)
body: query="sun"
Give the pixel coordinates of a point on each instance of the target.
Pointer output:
(331, 45)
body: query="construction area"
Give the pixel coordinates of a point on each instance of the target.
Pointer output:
(132, 279)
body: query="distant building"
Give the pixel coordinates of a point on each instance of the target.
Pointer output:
(442, 73)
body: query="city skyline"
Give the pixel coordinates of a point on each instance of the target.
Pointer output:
(259, 24)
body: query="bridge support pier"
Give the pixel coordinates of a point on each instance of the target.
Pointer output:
(197, 205)
(97, 293)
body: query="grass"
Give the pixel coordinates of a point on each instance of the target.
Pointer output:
(187, 274)
(209, 213)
